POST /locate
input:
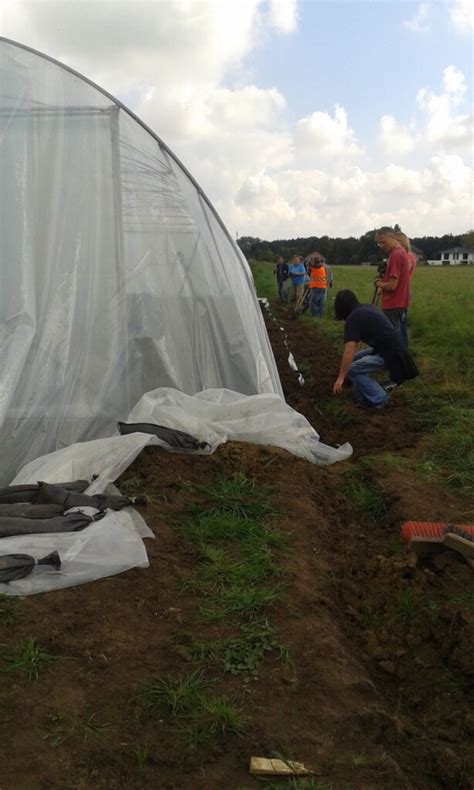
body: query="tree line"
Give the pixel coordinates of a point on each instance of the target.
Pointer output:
(349, 251)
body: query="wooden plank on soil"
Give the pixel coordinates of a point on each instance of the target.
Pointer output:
(263, 766)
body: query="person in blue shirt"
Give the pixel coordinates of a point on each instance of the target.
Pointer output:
(297, 272)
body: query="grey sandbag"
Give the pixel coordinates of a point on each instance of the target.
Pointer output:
(176, 439)
(28, 510)
(27, 493)
(17, 566)
(49, 493)
(72, 522)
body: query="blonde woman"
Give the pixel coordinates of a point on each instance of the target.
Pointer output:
(403, 239)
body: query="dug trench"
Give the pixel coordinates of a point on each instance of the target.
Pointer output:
(367, 676)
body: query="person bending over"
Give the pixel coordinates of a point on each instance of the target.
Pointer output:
(385, 351)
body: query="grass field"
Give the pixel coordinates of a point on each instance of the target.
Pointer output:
(441, 332)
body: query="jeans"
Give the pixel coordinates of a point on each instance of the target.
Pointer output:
(366, 390)
(316, 303)
(398, 318)
(281, 290)
(297, 293)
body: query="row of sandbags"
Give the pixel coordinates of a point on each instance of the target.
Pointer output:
(41, 508)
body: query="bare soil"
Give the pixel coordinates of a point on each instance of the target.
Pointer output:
(378, 691)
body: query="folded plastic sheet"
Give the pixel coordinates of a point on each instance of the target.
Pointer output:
(212, 416)
(105, 548)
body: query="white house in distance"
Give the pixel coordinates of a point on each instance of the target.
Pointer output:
(455, 257)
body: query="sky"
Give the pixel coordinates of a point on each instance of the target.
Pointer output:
(296, 117)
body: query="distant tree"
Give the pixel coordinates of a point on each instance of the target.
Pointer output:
(468, 239)
(246, 243)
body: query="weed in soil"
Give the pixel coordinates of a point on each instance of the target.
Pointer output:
(237, 600)
(131, 486)
(28, 658)
(141, 755)
(241, 654)
(237, 496)
(177, 696)
(404, 606)
(62, 728)
(394, 545)
(220, 717)
(366, 496)
(7, 609)
(87, 728)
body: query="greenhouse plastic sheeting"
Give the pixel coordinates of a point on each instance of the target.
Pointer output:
(105, 548)
(118, 276)
(213, 416)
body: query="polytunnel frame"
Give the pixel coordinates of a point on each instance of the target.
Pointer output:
(150, 131)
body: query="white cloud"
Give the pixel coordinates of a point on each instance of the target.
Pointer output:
(444, 125)
(417, 23)
(461, 14)
(282, 15)
(320, 136)
(396, 139)
(180, 65)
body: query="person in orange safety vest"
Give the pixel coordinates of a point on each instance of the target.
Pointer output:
(317, 283)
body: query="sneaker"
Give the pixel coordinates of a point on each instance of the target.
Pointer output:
(390, 386)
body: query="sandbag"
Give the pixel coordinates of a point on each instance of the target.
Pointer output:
(17, 566)
(173, 437)
(72, 522)
(28, 510)
(27, 493)
(49, 493)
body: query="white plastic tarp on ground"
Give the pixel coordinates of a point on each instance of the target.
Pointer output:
(114, 544)
(212, 416)
(104, 548)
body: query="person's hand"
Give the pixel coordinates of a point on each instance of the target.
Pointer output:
(338, 384)
(378, 283)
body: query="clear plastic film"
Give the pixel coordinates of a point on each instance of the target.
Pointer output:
(117, 274)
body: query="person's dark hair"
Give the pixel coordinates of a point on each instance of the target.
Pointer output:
(344, 304)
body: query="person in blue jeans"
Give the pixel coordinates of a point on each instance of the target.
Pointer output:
(385, 351)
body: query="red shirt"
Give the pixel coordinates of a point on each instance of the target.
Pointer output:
(411, 264)
(397, 266)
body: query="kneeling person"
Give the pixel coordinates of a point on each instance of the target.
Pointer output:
(385, 352)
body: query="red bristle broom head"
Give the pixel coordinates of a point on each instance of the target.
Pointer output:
(432, 529)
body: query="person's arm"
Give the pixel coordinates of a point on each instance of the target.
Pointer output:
(389, 285)
(347, 357)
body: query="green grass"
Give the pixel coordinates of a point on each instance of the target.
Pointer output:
(178, 696)
(222, 717)
(367, 497)
(237, 600)
(28, 658)
(7, 609)
(242, 653)
(237, 496)
(62, 728)
(195, 716)
(404, 606)
(141, 754)
(131, 486)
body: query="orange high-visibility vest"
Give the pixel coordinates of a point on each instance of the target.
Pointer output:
(317, 276)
